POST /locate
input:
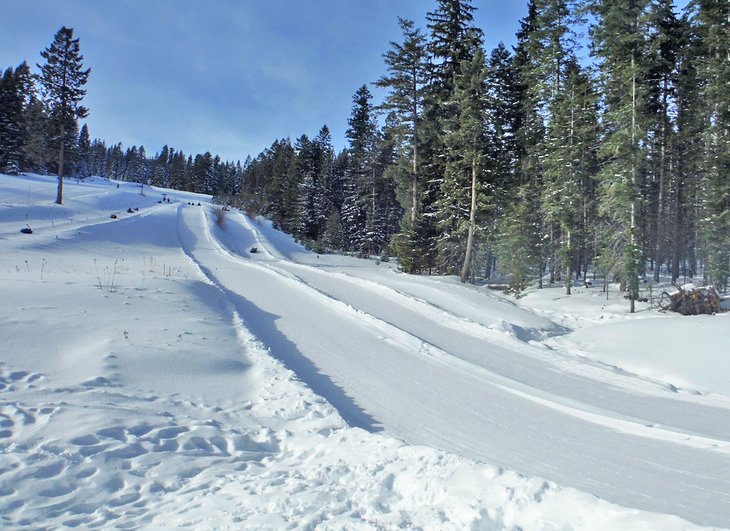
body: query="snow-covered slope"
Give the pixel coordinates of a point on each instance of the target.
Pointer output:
(156, 373)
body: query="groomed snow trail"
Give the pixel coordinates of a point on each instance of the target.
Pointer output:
(407, 366)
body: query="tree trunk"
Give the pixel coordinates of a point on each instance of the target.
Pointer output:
(414, 178)
(633, 281)
(59, 195)
(568, 272)
(472, 221)
(659, 231)
(552, 254)
(677, 239)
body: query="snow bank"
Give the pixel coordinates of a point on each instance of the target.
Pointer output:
(688, 353)
(680, 352)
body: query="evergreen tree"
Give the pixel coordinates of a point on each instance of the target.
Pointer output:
(685, 186)
(664, 40)
(11, 122)
(160, 168)
(352, 215)
(37, 148)
(201, 173)
(617, 41)
(336, 189)
(83, 169)
(520, 227)
(518, 238)
(307, 170)
(407, 77)
(465, 187)
(212, 178)
(555, 42)
(34, 144)
(529, 127)
(178, 170)
(503, 120)
(360, 202)
(287, 191)
(189, 174)
(569, 167)
(62, 79)
(454, 39)
(131, 162)
(237, 182)
(323, 204)
(712, 23)
(281, 190)
(97, 158)
(391, 211)
(334, 233)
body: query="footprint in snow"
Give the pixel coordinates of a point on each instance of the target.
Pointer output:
(116, 432)
(85, 440)
(11, 380)
(49, 471)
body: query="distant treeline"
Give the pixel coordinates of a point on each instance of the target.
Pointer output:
(30, 141)
(533, 162)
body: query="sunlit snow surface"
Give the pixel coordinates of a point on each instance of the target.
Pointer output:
(154, 373)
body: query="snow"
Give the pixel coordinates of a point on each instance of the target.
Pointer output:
(687, 354)
(154, 373)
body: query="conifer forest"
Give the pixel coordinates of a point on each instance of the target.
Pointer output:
(598, 147)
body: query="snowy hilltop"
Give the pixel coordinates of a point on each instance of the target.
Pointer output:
(157, 373)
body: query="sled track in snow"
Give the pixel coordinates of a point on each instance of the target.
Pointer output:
(587, 411)
(526, 357)
(480, 422)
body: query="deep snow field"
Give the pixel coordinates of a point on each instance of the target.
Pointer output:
(154, 373)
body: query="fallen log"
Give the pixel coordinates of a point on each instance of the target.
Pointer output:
(692, 300)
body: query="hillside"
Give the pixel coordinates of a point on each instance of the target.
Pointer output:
(157, 373)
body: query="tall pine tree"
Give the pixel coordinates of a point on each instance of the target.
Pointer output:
(712, 23)
(663, 45)
(617, 41)
(464, 190)
(11, 121)
(406, 79)
(62, 80)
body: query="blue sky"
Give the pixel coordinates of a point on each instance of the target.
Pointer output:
(225, 76)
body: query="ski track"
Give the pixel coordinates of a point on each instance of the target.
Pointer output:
(659, 452)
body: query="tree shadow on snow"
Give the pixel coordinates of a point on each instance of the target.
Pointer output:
(211, 295)
(263, 326)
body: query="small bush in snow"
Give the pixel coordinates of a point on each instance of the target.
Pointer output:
(220, 217)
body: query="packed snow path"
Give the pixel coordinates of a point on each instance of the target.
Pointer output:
(408, 362)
